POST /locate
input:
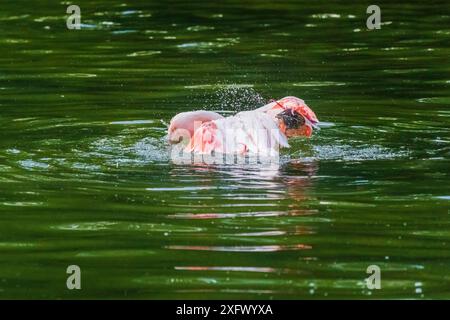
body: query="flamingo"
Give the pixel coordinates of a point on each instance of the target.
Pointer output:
(262, 131)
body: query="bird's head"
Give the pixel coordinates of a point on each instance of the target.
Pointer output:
(295, 118)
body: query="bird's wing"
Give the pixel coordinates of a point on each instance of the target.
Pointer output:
(206, 138)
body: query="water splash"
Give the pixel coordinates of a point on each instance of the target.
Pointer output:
(152, 149)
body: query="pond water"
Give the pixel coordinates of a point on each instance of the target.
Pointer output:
(86, 176)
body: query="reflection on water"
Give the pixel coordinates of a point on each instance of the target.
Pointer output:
(87, 178)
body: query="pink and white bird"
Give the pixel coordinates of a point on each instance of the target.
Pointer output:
(262, 131)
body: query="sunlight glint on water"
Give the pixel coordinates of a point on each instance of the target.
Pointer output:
(87, 178)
